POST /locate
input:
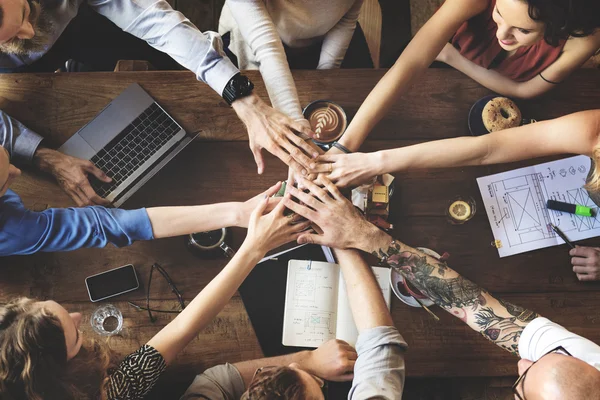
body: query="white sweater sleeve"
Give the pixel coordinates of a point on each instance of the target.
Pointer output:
(259, 32)
(338, 39)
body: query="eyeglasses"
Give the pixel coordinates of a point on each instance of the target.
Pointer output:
(173, 289)
(521, 379)
(321, 382)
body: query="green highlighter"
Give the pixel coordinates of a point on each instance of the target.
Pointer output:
(570, 208)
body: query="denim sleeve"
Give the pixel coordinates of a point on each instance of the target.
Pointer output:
(20, 141)
(24, 231)
(379, 370)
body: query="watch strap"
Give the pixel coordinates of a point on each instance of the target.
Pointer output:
(238, 86)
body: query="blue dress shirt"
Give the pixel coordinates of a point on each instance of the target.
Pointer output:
(23, 231)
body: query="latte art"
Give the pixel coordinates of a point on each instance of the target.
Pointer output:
(326, 122)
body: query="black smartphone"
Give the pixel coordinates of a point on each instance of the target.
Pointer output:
(112, 283)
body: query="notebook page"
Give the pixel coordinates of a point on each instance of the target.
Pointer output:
(310, 303)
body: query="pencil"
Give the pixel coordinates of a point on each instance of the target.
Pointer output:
(562, 236)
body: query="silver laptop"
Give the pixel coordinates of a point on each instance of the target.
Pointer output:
(130, 140)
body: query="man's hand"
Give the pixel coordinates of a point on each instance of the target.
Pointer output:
(343, 226)
(271, 130)
(586, 263)
(71, 174)
(334, 361)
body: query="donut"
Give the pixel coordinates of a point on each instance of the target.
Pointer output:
(500, 113)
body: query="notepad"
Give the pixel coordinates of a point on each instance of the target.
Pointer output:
(316, 304)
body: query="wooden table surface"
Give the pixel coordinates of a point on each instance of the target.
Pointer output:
(220, 167)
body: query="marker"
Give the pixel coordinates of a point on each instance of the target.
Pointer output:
(570, 208)
(562, 236)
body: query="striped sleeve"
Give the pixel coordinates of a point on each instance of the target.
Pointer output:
(137, 374)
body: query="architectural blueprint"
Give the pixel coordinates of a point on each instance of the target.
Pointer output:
(515, 202)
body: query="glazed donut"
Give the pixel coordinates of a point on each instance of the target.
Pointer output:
(500, 113)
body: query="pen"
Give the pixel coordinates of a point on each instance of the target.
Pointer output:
(562, 236)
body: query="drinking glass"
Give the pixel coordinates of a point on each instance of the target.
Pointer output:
(107, 320)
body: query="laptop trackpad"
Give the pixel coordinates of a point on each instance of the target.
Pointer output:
(76, 146)
(102, 129)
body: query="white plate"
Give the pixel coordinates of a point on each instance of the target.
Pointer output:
(396, 277)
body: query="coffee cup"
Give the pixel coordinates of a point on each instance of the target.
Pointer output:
(327, 120)
(210, 244)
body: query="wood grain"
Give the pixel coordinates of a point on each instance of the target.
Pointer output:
(220, 167)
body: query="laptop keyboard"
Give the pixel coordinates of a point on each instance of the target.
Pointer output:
(139, 141)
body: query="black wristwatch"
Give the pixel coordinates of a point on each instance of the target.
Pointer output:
(238, 86)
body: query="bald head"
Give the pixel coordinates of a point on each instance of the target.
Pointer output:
(561, 377)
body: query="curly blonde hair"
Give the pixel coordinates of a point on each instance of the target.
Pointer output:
(593, 183)
(33, 357)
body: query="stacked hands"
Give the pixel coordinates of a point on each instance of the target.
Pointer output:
(321, 215)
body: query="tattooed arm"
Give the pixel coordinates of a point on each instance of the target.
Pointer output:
(497, 320)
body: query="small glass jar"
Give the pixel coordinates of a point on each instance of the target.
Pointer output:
(460, 209)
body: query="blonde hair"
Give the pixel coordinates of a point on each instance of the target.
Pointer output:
(33, 357)
(593, 183)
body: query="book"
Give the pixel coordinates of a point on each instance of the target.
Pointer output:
(316, 304)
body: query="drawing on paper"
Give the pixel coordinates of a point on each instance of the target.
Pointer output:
(305, 289)
(521, 201)
(515, 202)
(319, 323)
(580, 196)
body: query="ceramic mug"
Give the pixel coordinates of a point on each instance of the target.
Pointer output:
(210, 244)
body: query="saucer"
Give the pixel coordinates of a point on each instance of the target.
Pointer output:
(476, 126)
(475, 120)
(396, 278)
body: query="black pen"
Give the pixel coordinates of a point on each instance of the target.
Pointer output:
(562, 236)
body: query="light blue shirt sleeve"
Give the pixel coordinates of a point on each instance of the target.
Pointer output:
(171, 32)
(379, 370)
(20, 141)
(24, 231)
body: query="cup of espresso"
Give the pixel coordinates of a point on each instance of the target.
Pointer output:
(210, 244)
(327, 120)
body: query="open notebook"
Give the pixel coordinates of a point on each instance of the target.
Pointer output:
(316, 304)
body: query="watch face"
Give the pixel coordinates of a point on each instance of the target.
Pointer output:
(241, 84)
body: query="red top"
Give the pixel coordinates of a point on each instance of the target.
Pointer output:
(476, 41)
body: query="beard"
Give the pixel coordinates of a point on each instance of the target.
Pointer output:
(44, 29)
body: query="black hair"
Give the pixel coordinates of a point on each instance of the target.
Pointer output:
(565, 18)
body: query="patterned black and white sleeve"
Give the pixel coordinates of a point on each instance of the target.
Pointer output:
(137, 374)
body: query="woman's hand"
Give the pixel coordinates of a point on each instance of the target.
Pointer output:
(246, 208)
(347, 169)
(273, 229)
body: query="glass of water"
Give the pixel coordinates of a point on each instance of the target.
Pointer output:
(107, 320)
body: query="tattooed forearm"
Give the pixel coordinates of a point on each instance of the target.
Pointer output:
(429, 276)
(497, 320)
(504, 331)
(521, 313)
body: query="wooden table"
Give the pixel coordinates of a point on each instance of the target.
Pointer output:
(220, 167)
